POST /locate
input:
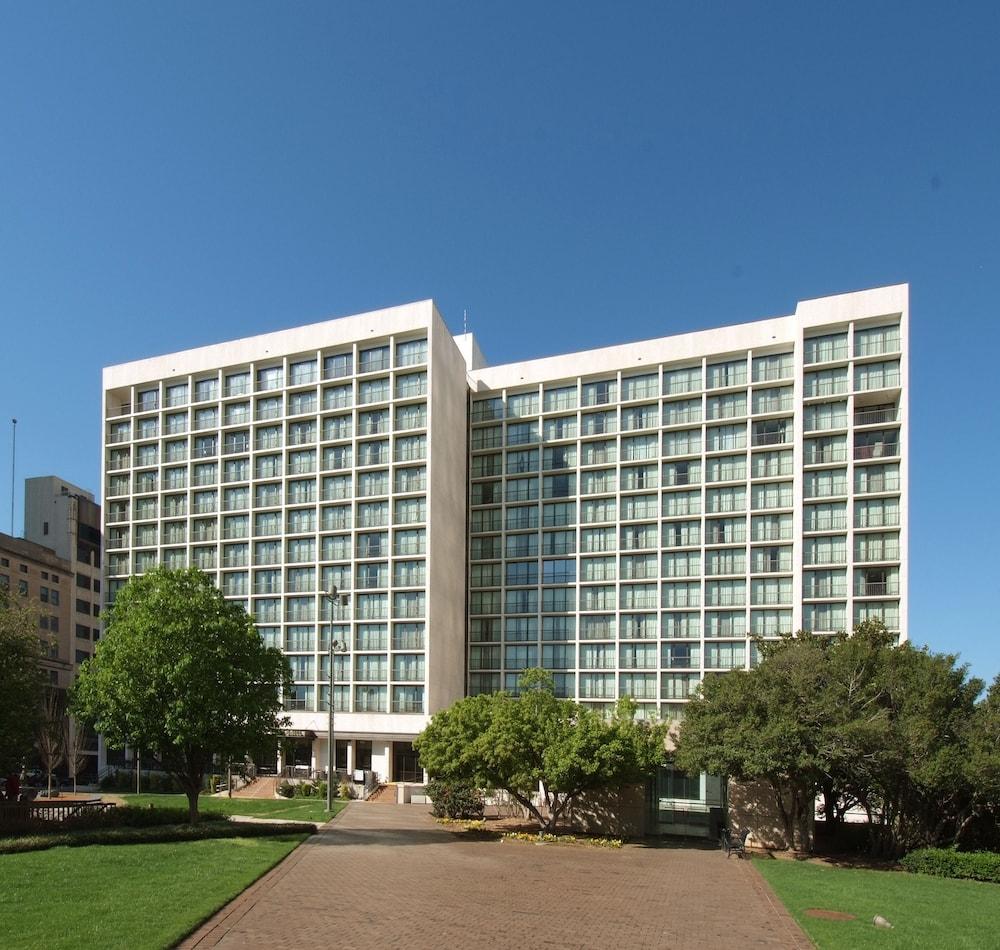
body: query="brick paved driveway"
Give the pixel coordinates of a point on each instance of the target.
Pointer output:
(384, 876)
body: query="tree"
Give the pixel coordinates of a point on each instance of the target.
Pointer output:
(895, 730)
(183, 673)
(75, 745)
(49, 738)
(982, 765)
(536, 741)
(22, 681)
(764, 724)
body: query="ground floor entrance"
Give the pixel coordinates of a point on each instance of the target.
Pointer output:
(356, 759)
(692, 805)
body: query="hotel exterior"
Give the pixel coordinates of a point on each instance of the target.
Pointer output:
(626, 517)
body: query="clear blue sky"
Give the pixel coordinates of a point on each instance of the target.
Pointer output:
(573, 174)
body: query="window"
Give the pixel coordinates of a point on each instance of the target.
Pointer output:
(522, 433)
(640, 387)
(876, 340)
(559, 399)
(337, 427)
(731, 373)
(302, 372)
(411, 384)
(412, 416)
(269, 378)
(823, 349)
(600, 393)
(338, 365)
(176, 395)
(301, 403)
(776, 366)
(682, 380)
(374, 359)
(237, 384)
(206, 389)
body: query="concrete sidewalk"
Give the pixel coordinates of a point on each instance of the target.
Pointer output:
(388, 877)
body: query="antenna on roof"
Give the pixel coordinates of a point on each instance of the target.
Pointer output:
(465, 321)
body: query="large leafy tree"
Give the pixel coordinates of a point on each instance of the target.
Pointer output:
(22, 681)
(764, 725)
(182, 673)
(982, 764)
(535, 742)
(860, 721)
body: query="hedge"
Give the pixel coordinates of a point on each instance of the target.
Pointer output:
(89, 819)
(154, 835)
(972, 865)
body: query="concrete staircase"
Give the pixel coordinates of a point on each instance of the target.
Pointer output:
(264, 786)
(383, 795)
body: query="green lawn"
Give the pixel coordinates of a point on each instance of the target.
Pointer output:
(925, 911)
(295, 809)
(133, 896)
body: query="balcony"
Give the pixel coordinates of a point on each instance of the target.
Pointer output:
(877, 381)
(771, 438)
(821, 558)
(825, 455)
(876, 347)
(821, 591)
(826, 524)
(877, 451)
(877, 555)
(888, 588)
(876, 416)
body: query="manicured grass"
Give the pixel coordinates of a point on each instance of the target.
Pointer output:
(924, 911)
(294, 809)
(140, 896)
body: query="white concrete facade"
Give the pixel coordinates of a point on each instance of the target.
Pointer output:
(639, 512)
(295, 462)
(627, 517)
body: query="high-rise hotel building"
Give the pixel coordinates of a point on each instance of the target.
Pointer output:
(626, 517)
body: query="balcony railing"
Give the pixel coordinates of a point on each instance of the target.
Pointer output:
(869, 417)
(825, 590)
(876, 347)
(771, 438)
(877, 555)
(825, 524)
(825, 455)
(877, 451)
(818, 558)
(877, 589)
(877, 381)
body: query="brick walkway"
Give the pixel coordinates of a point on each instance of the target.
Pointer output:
(390, 877)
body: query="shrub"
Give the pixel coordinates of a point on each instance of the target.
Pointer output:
(973, 865)
(286, 789)
(345, 790)
(123, 816)
(455, 800)
(154, 835)
(305, 790)
(321, 789)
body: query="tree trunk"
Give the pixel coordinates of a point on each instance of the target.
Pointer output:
(192, 797)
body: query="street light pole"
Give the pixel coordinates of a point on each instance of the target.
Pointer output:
(336, 646)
